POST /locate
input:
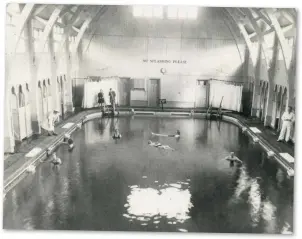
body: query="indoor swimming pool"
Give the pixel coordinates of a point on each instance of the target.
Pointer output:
(128, 185)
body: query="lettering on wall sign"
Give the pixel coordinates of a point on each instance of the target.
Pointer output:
(165, 61)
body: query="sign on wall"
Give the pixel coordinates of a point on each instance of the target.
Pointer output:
(165, 61)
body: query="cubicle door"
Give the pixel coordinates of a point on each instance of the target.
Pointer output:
(153, 92)
(22, 123)
(282, 107)
(264, 104)
(16, 124)
(201, 94)
(124, 88)
(28, 120)
(77, 92)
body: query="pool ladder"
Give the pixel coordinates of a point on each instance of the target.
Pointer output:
(217, 114)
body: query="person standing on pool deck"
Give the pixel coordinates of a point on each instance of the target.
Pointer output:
(288, 119)
(52, 119)
(232, 159)
(101, 99)
(112, 98)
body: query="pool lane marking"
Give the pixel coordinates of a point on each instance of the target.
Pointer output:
(255, 130)
(33, 152)
(287, 157)
(67, 125)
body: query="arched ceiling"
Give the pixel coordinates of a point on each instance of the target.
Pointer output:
(82, 17)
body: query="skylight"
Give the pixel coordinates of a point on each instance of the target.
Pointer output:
(148, 11)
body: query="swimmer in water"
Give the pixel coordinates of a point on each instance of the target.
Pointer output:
(177, 135)
(56, 160)
(159, 145)
(233, 159)
(116, 134)
(69, 141)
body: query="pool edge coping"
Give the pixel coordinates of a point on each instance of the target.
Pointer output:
(12, 180)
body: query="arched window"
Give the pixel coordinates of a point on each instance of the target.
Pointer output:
(21, 97)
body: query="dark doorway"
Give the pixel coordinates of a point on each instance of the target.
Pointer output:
(153, 92)
(77, 92)
(124, 88)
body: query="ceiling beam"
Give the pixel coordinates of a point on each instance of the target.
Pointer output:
(285, 48)
(60, 24)
(76, 29)
(85, 26)
(39, 9)
(49, 26)
(23, 18)
(262, 16)
(66, 10)
(270, 31)
(40, 19)
(259, 35)
(95, 24)
(244, 34)
(81, 33)
(237, 40)
(69, 26)
(288, 16)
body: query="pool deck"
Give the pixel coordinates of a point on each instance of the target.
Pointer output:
(16, 163)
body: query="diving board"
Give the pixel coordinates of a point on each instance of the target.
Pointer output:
(287, 157)
(255, 130)
(33, 152)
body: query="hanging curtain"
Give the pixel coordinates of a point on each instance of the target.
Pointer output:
(231, 94)
(92, 88)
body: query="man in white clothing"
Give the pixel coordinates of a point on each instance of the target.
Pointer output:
(288, 119)
(52, 118)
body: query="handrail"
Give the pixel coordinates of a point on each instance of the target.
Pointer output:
(220, 107)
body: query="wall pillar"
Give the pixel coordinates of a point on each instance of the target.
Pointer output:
(67, 57)
(9, 142)
(292, 78)
(34, 100)
(53, 76)
(256, 93)
(271, 84)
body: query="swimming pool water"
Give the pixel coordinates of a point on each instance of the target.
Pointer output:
(127, 185)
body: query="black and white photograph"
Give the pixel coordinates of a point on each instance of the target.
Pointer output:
(149, 118)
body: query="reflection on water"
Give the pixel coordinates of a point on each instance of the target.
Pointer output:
(285, 229)
(171, 202)
(268, 215)
(254, 200)
(243, 183)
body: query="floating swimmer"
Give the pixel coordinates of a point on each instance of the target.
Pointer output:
(159, 145)
(116, 134)
(232, 159)
(56, 160)
(177, 135)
